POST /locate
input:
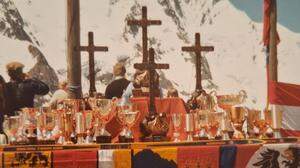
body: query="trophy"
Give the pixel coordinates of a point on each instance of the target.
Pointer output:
(215, 124)
(88, 118)
(60, 126)
(70, 107)
(80, 127)
(176, 120)
(50, 119)
(201, 124)
(30, 124)
(104, 112)
(239, 123)
(68, 127)
(127, 115)
(12, 125)
(189, 126)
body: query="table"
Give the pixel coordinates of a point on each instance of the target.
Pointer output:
(161, 154)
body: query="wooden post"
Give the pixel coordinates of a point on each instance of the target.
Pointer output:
(273, 62)
(73, 55)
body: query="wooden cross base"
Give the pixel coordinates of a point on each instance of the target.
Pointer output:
(155, 127)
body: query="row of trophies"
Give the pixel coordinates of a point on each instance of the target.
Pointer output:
(72, 123)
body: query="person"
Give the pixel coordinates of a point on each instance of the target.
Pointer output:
(59, 95)
(140, 81)
(120, 83)
(21, 89)
(2, 102)
(172, 92)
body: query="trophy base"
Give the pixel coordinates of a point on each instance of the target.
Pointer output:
(46, 142)
(230, 134)
(32, 140)
(218, 137)
(154, 138)
(19, 143)
(203, 138)
(124, 139)
(103, 139)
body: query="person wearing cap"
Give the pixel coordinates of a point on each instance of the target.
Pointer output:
(21, 89)
(119, 84)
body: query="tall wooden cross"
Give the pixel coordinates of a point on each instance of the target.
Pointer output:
(198, 49)
(151, 66)
(144, 23)
(91, 49)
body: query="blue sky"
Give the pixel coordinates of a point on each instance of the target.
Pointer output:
(288, 11)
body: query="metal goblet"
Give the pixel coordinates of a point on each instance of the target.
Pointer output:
(176, 120)
(104, 112)
(128, 117)
(13, 124)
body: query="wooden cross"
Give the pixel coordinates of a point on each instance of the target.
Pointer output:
(198, 49)
(91, 49)
(144, 23)
(151, 66)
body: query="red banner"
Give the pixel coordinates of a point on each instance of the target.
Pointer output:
(75, 158)
(201, 156)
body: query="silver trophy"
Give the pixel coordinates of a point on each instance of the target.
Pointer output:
(12, 125)
(80, 127)
(30, 123)
(189, 126)
(201, 123)
(176, 120)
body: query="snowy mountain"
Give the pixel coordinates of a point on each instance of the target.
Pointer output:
(238, 61)
(19, 44)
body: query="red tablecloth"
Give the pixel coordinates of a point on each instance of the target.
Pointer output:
(166, 105)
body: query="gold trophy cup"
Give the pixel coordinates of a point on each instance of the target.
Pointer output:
(239, 123)
(128, 116)
(104, 110)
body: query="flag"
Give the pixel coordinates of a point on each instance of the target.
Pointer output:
(244, 154)
(286, 99)
(75, 158)
(198, 156)
(227, 155)
(276, 155)
(267, 26)
(156, 157)
(27, 159)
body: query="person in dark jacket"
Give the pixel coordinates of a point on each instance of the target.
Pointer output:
(2, 102)
(117, 87)
(21, 89)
